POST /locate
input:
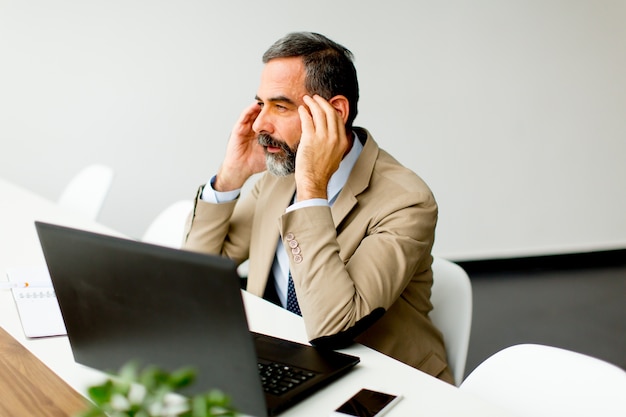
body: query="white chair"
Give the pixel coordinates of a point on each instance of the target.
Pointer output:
(168, 227)
(86, 192)
(543, 381)
(452, 312)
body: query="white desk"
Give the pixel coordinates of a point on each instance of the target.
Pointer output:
(19, 246)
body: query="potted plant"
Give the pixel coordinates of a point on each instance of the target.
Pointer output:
(152, 392)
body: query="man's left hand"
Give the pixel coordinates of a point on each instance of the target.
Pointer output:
(322, 147)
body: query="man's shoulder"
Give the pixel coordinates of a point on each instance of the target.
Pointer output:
(388, 172)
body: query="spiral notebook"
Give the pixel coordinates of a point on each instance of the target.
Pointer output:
(37, 304)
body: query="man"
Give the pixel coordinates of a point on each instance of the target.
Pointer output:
(336, 229)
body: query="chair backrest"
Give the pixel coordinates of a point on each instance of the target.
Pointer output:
(452, 312)
(168, 227)
(541, 381)
(86, 192)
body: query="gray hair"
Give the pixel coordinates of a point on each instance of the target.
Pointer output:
(328, 65)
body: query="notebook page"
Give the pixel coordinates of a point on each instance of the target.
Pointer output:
(37, 304)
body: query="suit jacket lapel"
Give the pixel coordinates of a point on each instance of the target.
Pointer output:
(272, 206)
(358, 180)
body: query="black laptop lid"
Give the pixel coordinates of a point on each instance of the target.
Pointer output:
(125, 300)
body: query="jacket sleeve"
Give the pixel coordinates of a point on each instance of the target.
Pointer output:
(346, 281)
(222, 228)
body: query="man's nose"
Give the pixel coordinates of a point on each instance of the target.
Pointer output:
(262, 123)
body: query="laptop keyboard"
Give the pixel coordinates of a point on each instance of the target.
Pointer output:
(278, 378)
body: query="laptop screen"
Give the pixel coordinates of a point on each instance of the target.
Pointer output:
(125, 300)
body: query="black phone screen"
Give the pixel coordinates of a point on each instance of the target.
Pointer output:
(366, 403)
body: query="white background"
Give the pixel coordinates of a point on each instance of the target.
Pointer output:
(514, 112)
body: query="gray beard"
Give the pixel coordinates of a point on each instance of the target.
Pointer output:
(282, 164)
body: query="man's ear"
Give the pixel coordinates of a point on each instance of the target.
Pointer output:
(342, 105)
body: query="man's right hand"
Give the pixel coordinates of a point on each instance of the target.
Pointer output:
(244, 156)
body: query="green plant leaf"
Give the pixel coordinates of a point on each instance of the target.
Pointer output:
(101, 394)
(143, 393)
(182, 378)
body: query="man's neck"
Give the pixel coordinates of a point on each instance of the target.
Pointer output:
(350, 137)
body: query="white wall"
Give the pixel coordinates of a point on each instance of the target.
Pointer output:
(513, 111)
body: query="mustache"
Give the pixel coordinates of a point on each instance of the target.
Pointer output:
(267, 140)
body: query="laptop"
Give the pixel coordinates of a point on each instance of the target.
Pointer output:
(125, 300)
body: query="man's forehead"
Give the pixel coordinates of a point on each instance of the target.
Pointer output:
(282, 77)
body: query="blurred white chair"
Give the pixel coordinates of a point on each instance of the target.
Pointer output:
(543, 381)
(86, 192)
(452, 312)
(168, 227)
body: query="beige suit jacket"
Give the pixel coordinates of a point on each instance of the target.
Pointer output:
(366, 255)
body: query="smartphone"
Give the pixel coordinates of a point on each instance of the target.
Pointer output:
(367, 403)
